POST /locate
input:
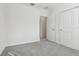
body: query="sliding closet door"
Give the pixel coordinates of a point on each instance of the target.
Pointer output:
(66, 28)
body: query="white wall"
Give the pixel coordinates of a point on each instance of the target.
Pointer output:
(3, 33)
(23, 24)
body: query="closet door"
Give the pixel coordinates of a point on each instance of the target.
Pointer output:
(51, 30)
(66, 28)
(58, 24)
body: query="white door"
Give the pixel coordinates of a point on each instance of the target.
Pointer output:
(66, 28)
(51, 28)
(58, 24)
(63, 28)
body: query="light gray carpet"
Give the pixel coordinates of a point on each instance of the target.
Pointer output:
(42, 48)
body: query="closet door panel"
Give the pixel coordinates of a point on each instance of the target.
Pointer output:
(76, 28)
(58, 24)
(51, 35)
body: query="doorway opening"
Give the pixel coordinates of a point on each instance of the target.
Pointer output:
(43, 27)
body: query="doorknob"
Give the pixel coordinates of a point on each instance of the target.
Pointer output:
(60, 29)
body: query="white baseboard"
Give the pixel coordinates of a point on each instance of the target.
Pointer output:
(18, 43)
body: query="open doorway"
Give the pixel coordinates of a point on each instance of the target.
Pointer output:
(43, 27)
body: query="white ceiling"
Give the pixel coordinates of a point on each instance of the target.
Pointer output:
(45, 5)
(50, 6)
